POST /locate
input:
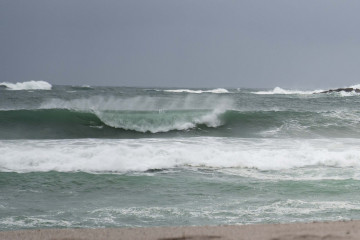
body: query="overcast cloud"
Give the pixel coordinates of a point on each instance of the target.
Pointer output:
(181, 43)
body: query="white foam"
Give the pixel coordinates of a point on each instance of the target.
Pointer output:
(294, 209)
(38, 221)
(30, 85)
(217, 90)
(101, 155)
(348, 94)
(278, 90)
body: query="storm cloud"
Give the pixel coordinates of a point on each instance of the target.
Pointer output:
(181, 43)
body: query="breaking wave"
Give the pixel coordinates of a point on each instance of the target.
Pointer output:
(160, 121)
(104, 155)
(278, 90)
(30, 85)
(70, 123)
(64, 123)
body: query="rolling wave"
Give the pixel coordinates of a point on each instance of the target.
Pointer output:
(65, 123)
(30, 85)
(159, 121)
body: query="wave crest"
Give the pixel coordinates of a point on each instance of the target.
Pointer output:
(142, 103)
(160, 121)
(278, 90)
(29, 85)
(63, 123)
(217, 90)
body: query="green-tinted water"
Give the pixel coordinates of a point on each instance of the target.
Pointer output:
(125, 157)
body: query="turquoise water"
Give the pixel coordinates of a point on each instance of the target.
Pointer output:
(134, 157)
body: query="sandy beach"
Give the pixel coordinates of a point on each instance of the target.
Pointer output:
(306, 231)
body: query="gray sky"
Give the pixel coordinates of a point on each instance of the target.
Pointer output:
(181, 43)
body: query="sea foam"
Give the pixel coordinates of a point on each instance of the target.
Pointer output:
(92, 155)
(30, 85)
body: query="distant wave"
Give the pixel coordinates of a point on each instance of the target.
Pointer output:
(30, 85)
(278, 90)
(352, 93)
(82, 87)
(217, 90)
(344, 91)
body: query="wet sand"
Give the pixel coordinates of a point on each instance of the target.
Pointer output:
(295, 231)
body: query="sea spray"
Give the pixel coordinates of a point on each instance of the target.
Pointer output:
(279, 90)
(142, 103)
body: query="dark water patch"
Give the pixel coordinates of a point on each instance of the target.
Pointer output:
(56, 124)
(64, 123)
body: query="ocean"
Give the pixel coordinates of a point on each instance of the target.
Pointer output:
(95, 157)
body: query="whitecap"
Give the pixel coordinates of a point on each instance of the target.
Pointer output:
(29, 85)
(278, 90)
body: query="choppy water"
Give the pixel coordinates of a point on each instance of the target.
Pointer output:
(83, 156)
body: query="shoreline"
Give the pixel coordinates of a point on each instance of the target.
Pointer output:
(284, 231)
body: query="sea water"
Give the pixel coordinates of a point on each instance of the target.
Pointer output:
(85, 156)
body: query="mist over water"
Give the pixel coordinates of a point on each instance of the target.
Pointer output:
(85, 156)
